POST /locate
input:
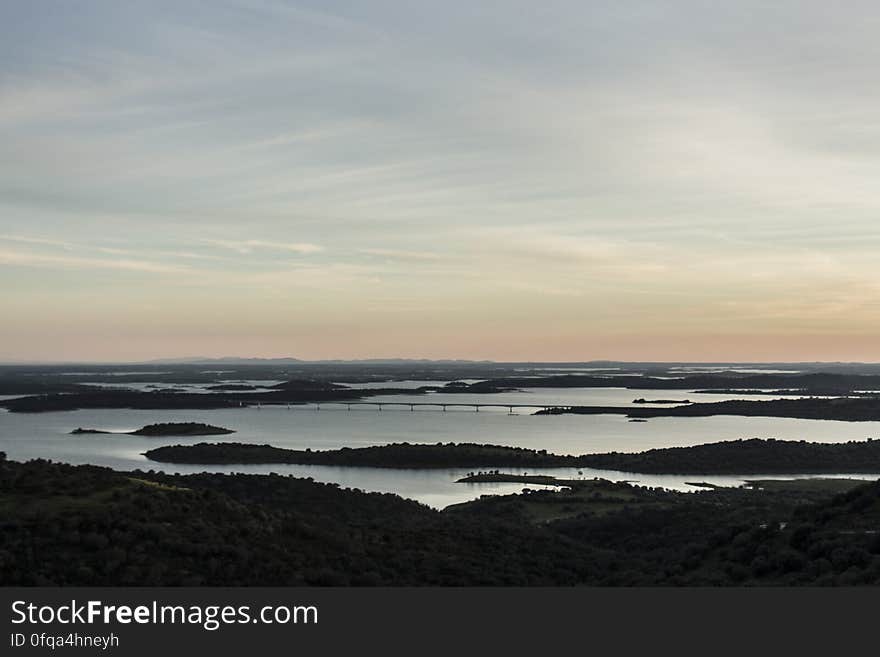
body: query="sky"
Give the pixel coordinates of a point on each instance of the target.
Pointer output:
(628, 180)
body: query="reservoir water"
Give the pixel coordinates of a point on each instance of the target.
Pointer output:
(26, 436)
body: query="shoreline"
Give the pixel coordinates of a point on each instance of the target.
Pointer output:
(738, 457)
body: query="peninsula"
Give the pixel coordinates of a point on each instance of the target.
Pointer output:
(851, 409)
(754, 456)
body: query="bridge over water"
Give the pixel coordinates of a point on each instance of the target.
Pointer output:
(443, 406)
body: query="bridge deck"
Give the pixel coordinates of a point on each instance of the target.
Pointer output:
(444, 405)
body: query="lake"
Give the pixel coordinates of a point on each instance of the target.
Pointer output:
(46, 435)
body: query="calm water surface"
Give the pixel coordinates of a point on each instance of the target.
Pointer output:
(46, 435)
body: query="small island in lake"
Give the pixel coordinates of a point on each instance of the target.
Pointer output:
(181, 429)
(507, 478)
(231, 387)
(164, 429)
(397, 455)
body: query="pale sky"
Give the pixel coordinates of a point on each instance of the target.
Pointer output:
(665, 180)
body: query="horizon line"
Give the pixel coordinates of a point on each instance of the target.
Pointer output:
(200, 360)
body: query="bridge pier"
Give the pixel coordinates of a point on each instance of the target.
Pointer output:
(476, 409)
(412, 407)
(444, 407)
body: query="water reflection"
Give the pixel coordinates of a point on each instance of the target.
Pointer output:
(46, 435)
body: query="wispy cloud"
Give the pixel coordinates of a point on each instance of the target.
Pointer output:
(249, 246)
(189, 255)
(24, 259)
(402, 254)
(37, 240)
(603, 166)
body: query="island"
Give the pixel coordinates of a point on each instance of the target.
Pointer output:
(396, 455)
(231, 387)
(181, 429)
(164, 429)
(752, 456)
(507, 478)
